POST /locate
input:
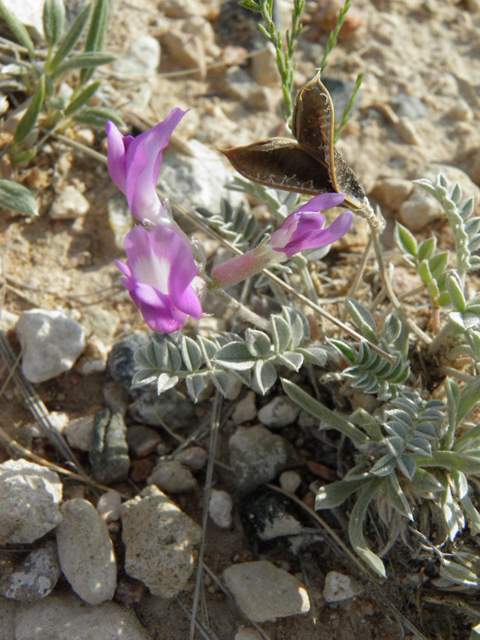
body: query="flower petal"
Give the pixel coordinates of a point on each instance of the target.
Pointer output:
(322, 237)
(157, 309)
(143, 162)
(323, 202)
(116, 155)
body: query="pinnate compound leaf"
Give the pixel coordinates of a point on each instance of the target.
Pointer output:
(195, 383)
(166, 382)
(235, 355)
(335, 494)
(363, 319)
(18, 198)
(191, 353)
(281, 333)
(355, 529)
(264, 375)
(318, 410)
(143, 377)
(291, 359)
(257, 342)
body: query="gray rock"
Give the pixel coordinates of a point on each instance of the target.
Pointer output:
(246, 409)
(194, 458)
(86, 552)
(108, 506)
(340, 587)
(36, 577)
(410, 107)
(220, 508)
(197, 180)
(160, 542)
(280, 412)
(257, 456)
(172, 477)
(29, 497)
(421, 209)
(142, 441)
(108, 452)
(269, 514)
(79, 432)
(143, 57)
(66, 617)
(69, 204)
(290, 481)
(51, 342)
(264, 67)
(264, 592)
(239, 86)
(169, 408)
(341, 91)
(8, 610)
(121, 360)
(392, 192)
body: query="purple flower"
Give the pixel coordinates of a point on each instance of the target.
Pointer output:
(134, 165)
(304, 230)
(300, 231)
(158, 276)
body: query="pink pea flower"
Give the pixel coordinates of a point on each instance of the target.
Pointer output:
(158, 276)
(134, 165)
(300, 231)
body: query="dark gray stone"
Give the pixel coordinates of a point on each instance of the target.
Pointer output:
(121, 360)
(267, 514)
(36, 577)
(409, 107)
(108, 452)
(170, 408)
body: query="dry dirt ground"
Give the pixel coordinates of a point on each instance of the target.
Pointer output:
(430, 50)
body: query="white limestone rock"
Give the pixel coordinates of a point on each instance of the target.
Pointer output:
(67, 617)
(108, 506)
(280, 412)
(160, 542)
(264, 592)
(86, 552)
(29, 501)
(51, 342)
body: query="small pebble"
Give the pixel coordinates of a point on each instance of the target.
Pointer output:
(85, 136)
(290, 481)
(141, 469)
(69, 204)
(340, 587)
(79, 432)
(264, 592)
(410, 107)
(172, 477)
(194, 458)
(51, 341)
(248, 633)
(220, 508)
(264, 67)
(142, 441)
(108, 452)
(246, 409)
(108, 506)
(280, 412)
(461, 111)
(407, 132)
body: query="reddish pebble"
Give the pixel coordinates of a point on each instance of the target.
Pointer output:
(309, 500)
(322, 471)
(141, 469)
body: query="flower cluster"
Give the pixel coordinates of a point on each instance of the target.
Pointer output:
(160, 274)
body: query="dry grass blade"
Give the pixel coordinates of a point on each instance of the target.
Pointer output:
(217, 408)
(36, 406)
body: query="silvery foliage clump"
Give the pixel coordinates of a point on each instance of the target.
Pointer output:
(253, 359)
(414, 453)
